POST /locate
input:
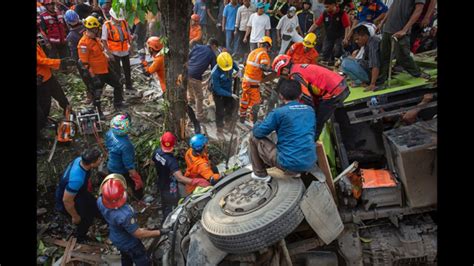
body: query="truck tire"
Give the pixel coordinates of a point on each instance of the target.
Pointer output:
(255, 228)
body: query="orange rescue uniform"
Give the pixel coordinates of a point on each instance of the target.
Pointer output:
(44, 64)
(198, 167)
(158, 67)
(299, 56)
(253, 74)
(195, 33)
(91, 54)
(113, 36)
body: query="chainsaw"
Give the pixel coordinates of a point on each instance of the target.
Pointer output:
(67, 128)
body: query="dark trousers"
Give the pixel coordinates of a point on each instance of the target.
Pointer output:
(137, 255)
(51, 88)
(86, 207)
(332, 48)
(243, 48)
(402, 54)
(126, 68)
(113, 80)
(86, 79)
(326, 108)
(224, 108)
(138, 194)
(192, 117)
(41, 118)
(416, 31)
(168, 202)
(58, 50)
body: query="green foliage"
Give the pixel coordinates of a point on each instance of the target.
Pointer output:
(135, 8)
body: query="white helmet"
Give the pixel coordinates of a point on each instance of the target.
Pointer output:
(114, 15)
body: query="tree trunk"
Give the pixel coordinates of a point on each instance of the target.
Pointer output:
(176, 15)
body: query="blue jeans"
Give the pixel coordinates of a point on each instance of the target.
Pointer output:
(353, 69)
(230, 42)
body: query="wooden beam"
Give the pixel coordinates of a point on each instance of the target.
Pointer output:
(79, 248)
(324, 165)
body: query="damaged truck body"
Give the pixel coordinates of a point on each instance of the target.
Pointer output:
(371, 201)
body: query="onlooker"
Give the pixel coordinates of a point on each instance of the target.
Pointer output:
(398, 22)
(305, 17)
(258, 26)
(200, 9)
(212, 7)
(337, 27)
(220, 37)
(243, 15)
(423, 21)
(372, 11)
(318, 10)
(304, 52)
(289, 29)
(228, 25)
(195, 32)
(364, 71)
(53, 24)
(277, 10)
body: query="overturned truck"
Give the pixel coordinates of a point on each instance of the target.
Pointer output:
(371, 201)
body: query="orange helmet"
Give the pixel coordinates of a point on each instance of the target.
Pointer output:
(195, 17)
(154, 43)
(280, 62)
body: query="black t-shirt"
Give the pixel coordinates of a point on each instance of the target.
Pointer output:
(275, 5)
(166, 164)
(83, 10)
(213, 7)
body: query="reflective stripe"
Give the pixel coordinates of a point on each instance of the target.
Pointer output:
(253, 64)
(242, 102)
(246, 78)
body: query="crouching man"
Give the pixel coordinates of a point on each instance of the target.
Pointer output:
(124, 231)
(294, 124)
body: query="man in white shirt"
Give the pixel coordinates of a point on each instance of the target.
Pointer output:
(243, 15)
(288, 29)
(257, 27)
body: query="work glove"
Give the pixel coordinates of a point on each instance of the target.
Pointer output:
(200, 182)
(39, 80)
(164, 231)
(144, 66)
(265, 68)
(67, 61)
(137, 179)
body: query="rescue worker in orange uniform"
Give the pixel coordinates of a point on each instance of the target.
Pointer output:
(328, 89)
(117, 39)
(92, 55)
(158, 65)
(197, 162)
(257, 62)
(304, 52)
(53, 24)
(47, 85)
(195, 32)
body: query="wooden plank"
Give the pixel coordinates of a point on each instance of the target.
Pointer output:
(71, 247)
(324, 165)
(79, 247)
(66, 255)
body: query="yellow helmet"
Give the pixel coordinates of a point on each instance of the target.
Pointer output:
(91, 22)
(310, 40)
(224, 61)
(266, 39)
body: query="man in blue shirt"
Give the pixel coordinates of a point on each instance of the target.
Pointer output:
(295, 125)
(228, 25)
(73, 195)
(221, 86)
(200, 58)
(372, 11)
(122, 153)
(124, 231)
(169, 174)
(200, 8)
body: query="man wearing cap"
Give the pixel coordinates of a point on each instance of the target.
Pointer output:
(124, 231)
(169, 174)
(288, 29)
(258, 26)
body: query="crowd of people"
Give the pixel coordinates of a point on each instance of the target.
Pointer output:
(293, 40)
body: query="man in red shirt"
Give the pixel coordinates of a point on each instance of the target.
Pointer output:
(337, 26)
(327, 88)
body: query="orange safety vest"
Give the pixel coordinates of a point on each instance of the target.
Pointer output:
(198, 167)
(91, 53)
(113, 36)
(253, 73)
(299, 56)
(44, 64)
(158, 67)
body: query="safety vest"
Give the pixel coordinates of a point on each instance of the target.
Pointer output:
(55, 27)
(113, 38)
(253, 72)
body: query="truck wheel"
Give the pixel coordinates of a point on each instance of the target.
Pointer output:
(247, 215)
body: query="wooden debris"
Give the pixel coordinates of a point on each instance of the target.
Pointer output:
(324, 165)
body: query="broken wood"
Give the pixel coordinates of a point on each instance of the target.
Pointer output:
(323, 163)
(88, 258)
(79, 247)
(67, 252)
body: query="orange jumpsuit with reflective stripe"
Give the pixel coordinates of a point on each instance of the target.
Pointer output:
(158, 67)
(91, 54)
(253, 74)
(198, 167)
(44, 64)
(299, 56)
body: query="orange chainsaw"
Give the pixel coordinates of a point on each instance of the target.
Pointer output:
(67, 128)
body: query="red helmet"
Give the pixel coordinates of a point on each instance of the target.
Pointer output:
(280, 62)
(113, 189)
(195, 17)
(167, 141)
(154, 43)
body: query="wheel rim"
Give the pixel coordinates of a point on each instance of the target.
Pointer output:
(248, 197)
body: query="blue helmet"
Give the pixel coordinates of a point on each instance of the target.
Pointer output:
(260, 5)
(198, 142)
(71, 17)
